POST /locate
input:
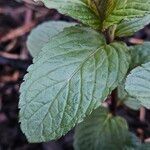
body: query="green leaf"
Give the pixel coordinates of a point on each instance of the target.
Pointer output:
(125, 9)
(42, 34)
(130, 26)
(140, 54)
(133, 142)
(138, 84)
(78, 9)
(132, 103)
(101, 131)
(105, 7)
(72, 75)
(103, 13)
(145, 147)
(129, 101)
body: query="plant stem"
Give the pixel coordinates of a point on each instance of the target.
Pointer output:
(142, 114)
(113, 104)
(111, 33)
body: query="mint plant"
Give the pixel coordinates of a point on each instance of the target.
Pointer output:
(78, 67)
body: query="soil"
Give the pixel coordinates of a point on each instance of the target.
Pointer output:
(17, 19)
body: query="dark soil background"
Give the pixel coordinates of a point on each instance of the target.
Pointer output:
(16, 21)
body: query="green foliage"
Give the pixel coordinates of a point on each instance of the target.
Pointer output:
(70, 88)
(125, 9)
(101, 131)
(42, 34)
(144, 147)
(76, 68)
(130, 26)
(100, 13)
(138, 84)
(127, 99)
(140, 54)
(77, 9)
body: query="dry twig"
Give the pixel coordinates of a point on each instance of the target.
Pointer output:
(13, 34)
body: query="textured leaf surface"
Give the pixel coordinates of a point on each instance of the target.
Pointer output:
(42, 34)
(105, 7)
(128, 100)
(130, 26)
(140, 54)
(100, 13)
(138, 84)
(125, 9)
(72, 75)
(118, 10)
(101, 131)
(78, 9)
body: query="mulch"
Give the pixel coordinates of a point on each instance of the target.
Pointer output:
(16, 21)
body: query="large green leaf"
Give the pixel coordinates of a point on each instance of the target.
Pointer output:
(101, 131)
(42, 34)
(72, 75)
(78, 9)
(138, 84)
(130, 26)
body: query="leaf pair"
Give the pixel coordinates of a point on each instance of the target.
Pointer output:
(72, 75)
(101, 14)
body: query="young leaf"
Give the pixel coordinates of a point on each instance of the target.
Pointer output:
(138, 84)
(100, 13)
(78, 9)
(101, 131)
(72, 75)
(105, 7)
(125, 9)
(42, 34)
(130, 26)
